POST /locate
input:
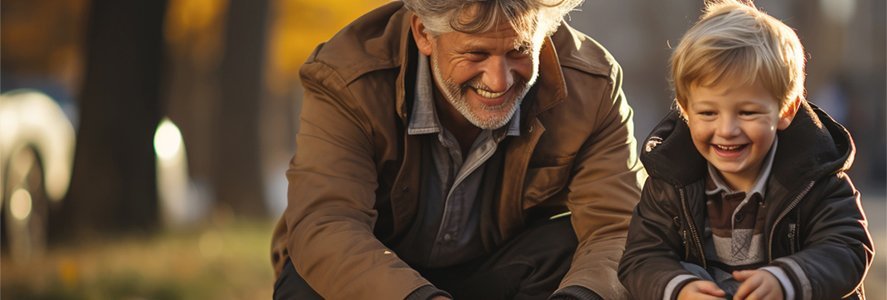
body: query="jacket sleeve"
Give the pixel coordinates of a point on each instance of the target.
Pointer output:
(330, 213)
(837, 250)
(604, 189)
(655, 247)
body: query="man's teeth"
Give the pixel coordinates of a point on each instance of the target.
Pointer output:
(728, 148)
(488, 94)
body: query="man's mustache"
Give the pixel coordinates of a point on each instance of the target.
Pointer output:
(477, 83)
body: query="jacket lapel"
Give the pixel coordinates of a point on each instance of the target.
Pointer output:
(404, 193)
(517, 159)
(407, 72)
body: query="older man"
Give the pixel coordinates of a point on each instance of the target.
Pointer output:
(453, 148)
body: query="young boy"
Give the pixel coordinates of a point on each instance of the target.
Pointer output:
(747, 196)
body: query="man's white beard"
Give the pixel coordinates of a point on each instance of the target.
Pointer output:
(456, 95)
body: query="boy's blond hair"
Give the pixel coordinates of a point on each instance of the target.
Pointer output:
(736, 41)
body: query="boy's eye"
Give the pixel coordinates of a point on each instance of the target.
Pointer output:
(750, 114)
(706, 113)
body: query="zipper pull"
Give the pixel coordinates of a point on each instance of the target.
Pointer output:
(677, 223)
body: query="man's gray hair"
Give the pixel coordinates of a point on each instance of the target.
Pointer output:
(531, 19)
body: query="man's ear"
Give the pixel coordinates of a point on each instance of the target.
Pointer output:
(788, 113)
(423, 39)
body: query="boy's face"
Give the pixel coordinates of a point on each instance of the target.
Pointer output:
(734, 128)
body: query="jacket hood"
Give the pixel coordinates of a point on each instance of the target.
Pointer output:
(813, 145)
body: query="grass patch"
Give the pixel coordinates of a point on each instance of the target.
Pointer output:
(228, 261)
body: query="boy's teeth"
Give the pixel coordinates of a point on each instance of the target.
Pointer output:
(729, 148)
(488, 94)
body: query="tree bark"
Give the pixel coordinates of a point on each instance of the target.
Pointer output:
(113, 187)
(238, 174)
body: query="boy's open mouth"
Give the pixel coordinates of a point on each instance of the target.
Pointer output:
(730, 148)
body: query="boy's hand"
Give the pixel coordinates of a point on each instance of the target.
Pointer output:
(701, 289)
(757, 284)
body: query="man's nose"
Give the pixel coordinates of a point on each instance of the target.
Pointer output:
(498, 76)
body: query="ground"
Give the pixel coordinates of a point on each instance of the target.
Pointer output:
(221, 261)
(224, 260)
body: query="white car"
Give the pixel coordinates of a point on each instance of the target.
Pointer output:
(36, 155)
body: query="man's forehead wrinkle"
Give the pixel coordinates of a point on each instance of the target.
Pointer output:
(515, 42)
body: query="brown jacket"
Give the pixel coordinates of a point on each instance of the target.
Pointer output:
(354, 181)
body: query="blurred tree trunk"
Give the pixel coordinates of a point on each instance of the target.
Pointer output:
(238, 174)
(113, 186)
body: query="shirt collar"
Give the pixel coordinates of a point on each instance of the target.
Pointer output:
(760, 183)
(424, 116)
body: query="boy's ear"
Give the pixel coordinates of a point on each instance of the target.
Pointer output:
(788, 114)
(423, 39)
(681, 109)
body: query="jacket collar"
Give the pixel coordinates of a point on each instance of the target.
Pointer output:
(407, 44)
(552, 87)
(814, 145)
(668, 152)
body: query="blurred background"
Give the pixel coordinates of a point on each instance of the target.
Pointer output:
(143, 143)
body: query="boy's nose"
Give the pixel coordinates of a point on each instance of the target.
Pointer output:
(728, 127)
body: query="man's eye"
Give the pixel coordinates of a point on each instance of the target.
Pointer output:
(521, 51)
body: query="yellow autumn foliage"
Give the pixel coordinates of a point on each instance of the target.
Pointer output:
(299, 25)
(194, 29)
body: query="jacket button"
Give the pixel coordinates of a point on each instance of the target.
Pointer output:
(739, 217)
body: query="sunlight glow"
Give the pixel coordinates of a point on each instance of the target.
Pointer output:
(20, 204)
(167, 139)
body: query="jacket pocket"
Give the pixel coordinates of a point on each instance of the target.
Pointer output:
(544, 182)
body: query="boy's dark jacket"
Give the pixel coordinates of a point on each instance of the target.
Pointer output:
(815, 228)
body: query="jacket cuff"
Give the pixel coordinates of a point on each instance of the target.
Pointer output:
(675, 285)
(788, 291)
(801, 284)
(426, 292)
(575, 292)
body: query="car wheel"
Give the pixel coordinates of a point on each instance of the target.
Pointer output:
(26, 208)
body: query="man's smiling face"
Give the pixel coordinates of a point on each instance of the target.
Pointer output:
(484, 76)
